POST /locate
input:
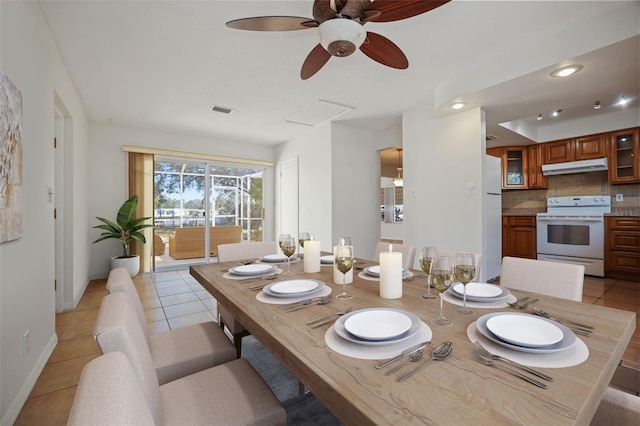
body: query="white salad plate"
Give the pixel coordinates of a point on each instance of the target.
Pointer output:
(525, 330)
(327, 260)
(292, 284)
(473, 289)
(276, 258)
(374, 271)
(378, 324)
(339, 327)
(568, 338)
(253, 269)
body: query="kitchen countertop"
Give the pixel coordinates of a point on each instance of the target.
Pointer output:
(615, 211)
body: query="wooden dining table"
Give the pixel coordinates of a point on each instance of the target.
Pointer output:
(455, 391)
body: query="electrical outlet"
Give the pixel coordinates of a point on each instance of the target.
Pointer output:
(619, 197)
(25, 343)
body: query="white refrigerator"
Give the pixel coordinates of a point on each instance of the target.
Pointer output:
(492, 222)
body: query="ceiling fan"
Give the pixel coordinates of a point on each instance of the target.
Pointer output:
(340, 23)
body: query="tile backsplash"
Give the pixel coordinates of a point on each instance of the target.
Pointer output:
(530, 202)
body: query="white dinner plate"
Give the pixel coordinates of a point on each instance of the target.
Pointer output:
(374, 271)
(341, 331)
(567, 341)
(253, 269)
(479, 290)
(525, 330)
(267, 290)
(276, 258)
(378, 324)
(327, 260)
(294, 286)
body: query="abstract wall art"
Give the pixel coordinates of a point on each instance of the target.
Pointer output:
(10, 160)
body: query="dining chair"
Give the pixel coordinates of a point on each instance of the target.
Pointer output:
(555, 279)
(617, 408)
(452, 254)
(229, 253)
(229, 393)
(408, 253)
(178, 352)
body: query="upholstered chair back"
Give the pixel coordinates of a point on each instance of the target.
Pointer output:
(408, 253)
(242, 251)
(117, 329)
(120, 281)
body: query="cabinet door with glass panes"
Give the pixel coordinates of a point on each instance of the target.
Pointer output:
(624, 156)
(514, 168)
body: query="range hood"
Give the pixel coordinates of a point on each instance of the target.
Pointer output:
(596, 165)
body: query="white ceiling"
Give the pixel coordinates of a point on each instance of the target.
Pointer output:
(163, 64)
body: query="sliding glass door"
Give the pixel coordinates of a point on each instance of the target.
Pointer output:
(188, 195)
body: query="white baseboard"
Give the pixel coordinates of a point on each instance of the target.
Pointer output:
(17, 404)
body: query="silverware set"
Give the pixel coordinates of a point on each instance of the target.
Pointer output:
(306, 303)
(577, 327)
(415, 353)
(318, 322)
(492, 363)
(485, 353)
(522, 303)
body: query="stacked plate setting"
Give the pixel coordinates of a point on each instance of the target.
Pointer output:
(326, 260)
(294, 288)
(480, 292)
(252, 270)
(525, 332)
(374, 271)
(377, 326)
(277, 258)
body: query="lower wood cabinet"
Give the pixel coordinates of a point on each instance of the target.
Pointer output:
(622, 248)
(519, 236)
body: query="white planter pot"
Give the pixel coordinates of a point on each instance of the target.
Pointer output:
(131, 264)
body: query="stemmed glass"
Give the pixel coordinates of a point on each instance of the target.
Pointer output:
(441, 278)
(426, 257)
(288, 247)
(302, 237)
(343, 259)
(465, 270)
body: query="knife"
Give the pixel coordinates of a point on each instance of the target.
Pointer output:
(407, 351)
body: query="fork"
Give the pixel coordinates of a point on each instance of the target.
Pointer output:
(515, 304)
(484, 361)
(318, 322)
(489, 355)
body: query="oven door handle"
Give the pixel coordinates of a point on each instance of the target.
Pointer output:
(572, 219)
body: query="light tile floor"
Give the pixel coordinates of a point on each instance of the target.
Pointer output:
(173, 299)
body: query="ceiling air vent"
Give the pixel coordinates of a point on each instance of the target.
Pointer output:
(221, 109)
(491, 138)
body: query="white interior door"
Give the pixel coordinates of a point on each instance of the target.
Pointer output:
(55, 195)
(287, 196)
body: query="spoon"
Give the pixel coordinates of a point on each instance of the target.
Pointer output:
(415, 357)
(440, 353)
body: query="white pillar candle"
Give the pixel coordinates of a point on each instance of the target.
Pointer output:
(337, 275)
(312, 256)
(390, 274)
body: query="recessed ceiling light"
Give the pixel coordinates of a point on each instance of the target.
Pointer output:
(623, 101)
(597, 105)
(556, 112)
(458, 105)
(539, 117)
(566, 71)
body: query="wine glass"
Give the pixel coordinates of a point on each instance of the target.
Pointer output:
(343, 259)
(288, 246)
(302, 237)
(465, 270)
(282, 237)
(426, 257)
(442, 272)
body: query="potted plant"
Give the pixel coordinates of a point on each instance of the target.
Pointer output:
(125, 229)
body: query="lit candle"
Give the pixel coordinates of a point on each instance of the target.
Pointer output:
(391, 274)
(312, 256)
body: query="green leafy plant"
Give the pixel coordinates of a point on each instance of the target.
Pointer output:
(126, 227)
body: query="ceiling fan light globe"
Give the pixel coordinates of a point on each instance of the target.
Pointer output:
(341, 37)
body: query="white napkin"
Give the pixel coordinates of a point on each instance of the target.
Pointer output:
(569, 357)
(450, 298)
(355, 350)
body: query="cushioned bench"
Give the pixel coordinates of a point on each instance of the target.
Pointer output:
(188, 243)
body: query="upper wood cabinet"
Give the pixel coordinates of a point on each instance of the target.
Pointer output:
(589, 147)
(624, 156)
(559, 151)
(536, 179)
(514, 168)
(495, 151)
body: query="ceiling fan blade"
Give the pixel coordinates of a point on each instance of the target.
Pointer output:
(322, 10)
(272, 23)
(383, 50)
(315, 60)
(395, 10)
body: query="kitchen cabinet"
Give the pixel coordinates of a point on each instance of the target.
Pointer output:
(495, 151)
(624, 156)
(514, 168)
(559, 151)
(536, 179)
(622, 248)
(519, 236)
(590, 147)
